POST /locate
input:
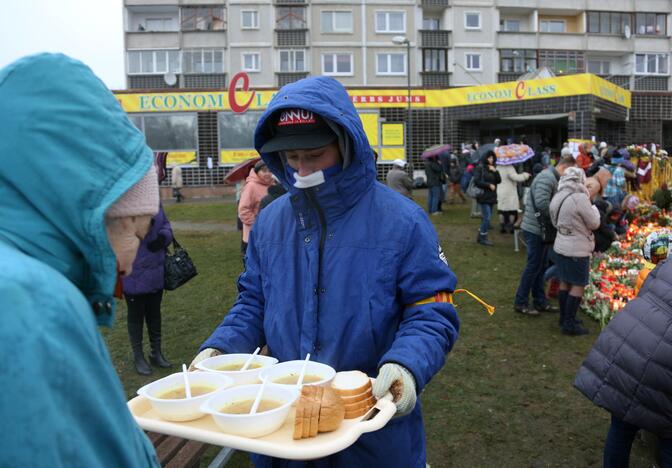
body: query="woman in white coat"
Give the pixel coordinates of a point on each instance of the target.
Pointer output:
(507, 196)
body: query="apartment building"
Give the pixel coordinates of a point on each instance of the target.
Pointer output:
(199, 43)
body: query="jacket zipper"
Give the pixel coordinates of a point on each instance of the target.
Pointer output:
(318, 290)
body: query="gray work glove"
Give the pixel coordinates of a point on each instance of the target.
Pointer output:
(400, 383)
(206, 353)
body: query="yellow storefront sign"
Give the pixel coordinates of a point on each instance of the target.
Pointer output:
(236, 156)
(181, 158)
(571, 85)
(370, 124)
(393, 134)
(390, 154)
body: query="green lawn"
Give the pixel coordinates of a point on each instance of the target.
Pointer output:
(505, 396)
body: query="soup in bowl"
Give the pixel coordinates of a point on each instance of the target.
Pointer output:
(230, 409)
(168, 396)
(287, 373)
(230, 365)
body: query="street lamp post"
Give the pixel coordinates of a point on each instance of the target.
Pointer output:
(402, 40)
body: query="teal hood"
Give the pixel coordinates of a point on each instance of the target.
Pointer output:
(67, 153)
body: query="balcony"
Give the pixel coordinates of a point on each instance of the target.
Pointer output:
(148, 82)
(284, 78)
(290, 2)
(291, 38)
(562, 41)
(434, 38)
(195, 40)
(505, 77)
(204, 80)
(435, 4)
(619, 80)
(154, 40)
(435, 79)
(652, 83)
(608, 43)
(516, 40)
(527, 4)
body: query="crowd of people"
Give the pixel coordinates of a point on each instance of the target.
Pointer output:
(342, 267)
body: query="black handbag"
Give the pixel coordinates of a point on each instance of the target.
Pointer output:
(178, 267)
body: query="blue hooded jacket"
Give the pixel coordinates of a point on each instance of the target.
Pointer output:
(334, 271)
(67, 153)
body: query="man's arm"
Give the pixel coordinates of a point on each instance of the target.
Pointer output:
(428, 330)
(543, 193)
(242, 330)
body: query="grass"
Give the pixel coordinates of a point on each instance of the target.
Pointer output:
(505, 395)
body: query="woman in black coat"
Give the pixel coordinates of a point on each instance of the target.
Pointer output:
(486, 178)
(629, 370)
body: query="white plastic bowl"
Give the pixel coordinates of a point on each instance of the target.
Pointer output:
(294, 367)
(250, 376)
(183, 409)
(251, 425)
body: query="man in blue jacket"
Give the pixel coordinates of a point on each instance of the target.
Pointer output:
(344, 268)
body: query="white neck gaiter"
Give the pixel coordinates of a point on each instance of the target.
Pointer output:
(311, 180)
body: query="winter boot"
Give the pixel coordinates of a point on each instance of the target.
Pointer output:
(483, 239)
(562, 299)
(154, 331)
(569, 324)
(135, 337)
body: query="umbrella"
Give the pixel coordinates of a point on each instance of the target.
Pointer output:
(513, 154)
(476, 157)
(240, 171)
(435, 150)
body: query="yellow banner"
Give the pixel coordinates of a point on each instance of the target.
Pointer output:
(571, 85)
(393, 134)
(390, 154)
(370, 124)
(181, 158)
(236, 156)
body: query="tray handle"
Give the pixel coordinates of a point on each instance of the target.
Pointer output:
(386, 410)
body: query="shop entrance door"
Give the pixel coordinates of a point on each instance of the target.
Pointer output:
(535, 132)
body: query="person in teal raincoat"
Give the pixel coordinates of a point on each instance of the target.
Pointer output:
(77, 192)
(344, 268)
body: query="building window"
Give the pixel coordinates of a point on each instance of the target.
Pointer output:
(158, 25)
(605, 22)
(563, 62)
(431, 24)
(249, 19)
(552, 26)
(651, 64)
(599, 67)
(473, 62)
(517, 60)
(391, 64)
(651, 24)
(390, 22)
(290, 18)
(337, 64)
(251, 61)
(149, 62)
(197, 61)
(472, 20)
(236, 131)
(510, 25)
(292, 61)
(169, 132)
(203, 19)
(434, 60)
(336, 21)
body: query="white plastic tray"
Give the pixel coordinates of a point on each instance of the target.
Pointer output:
(279, 444)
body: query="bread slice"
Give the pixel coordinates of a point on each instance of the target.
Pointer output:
(351, 383)
(368, 403)
(315, 413)
(308, 394)
(356, 398)
(358, 412)
(298, 420)
(332, 411)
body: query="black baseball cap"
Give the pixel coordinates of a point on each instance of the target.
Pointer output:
(298, 129)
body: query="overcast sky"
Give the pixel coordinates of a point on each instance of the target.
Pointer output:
(89, 30)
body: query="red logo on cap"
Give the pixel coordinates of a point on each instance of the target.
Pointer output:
(296, 117)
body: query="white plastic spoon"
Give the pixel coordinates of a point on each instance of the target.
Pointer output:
(303, 371)
(187, 389)
(257, 400)
(250, 359)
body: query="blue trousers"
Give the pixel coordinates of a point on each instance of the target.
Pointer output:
(486, 214)
(434, 198)
(532, 279)
(619, 442)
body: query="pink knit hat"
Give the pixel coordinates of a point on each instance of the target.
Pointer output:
(141, 199)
